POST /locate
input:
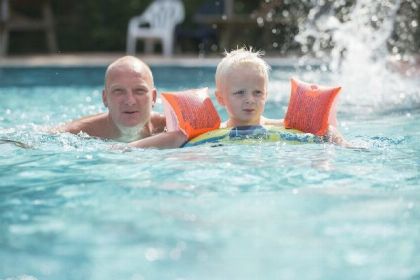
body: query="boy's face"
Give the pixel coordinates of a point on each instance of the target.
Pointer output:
(243, 93)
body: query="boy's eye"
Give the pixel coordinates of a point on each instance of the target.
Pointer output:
(258, 93)
(239, 92)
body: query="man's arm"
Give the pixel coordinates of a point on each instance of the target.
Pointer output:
(166, 140)
(73, 127)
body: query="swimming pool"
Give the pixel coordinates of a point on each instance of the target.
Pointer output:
(73, 208)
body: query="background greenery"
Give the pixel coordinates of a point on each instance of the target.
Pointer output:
(100, 25)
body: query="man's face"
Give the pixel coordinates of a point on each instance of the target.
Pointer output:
(129, 95)
(243, 93)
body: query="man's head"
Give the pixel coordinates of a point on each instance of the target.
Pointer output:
(241, 86)
(129, 92)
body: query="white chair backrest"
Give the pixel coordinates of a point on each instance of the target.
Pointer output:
(4, 10)
(164, 13)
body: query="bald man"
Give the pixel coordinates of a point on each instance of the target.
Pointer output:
(129, 94)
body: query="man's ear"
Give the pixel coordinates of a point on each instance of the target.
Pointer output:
(154, 96)
(220, 99)
(104, 99)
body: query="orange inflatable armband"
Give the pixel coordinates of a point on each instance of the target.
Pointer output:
(311, 108)
(190, 111)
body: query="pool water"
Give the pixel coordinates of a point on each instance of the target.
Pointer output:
(71, 207)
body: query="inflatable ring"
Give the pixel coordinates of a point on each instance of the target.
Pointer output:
(252, 135)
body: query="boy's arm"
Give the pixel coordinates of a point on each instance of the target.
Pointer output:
(334, 136)
(158, 122)
(166, 140)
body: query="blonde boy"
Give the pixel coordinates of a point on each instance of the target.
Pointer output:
(241, 87)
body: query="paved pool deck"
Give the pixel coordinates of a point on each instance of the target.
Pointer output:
(409, 68)
(102, 59)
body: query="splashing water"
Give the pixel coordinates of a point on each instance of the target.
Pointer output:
(353, 45)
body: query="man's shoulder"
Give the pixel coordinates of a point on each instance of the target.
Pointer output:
(88, 124)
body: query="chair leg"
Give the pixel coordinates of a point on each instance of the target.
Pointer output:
(4, 41)
(4, 32)
(148, 46)
(168, 45)
(131, 45)
(49, 22)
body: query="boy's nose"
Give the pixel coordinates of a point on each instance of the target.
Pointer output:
(249, 99)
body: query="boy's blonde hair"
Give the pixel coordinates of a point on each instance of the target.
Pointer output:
(238, 57)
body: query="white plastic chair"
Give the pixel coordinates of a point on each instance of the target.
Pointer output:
(161, 17)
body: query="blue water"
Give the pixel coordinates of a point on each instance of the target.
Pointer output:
(71, 207)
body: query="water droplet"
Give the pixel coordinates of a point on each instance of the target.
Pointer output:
(152, 254)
